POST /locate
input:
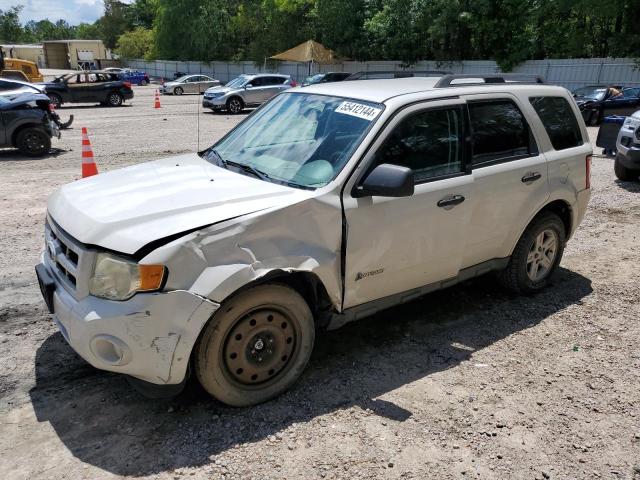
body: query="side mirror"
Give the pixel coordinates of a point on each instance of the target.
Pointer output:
(386, 180)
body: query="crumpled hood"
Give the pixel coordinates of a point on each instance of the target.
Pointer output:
(125, 209)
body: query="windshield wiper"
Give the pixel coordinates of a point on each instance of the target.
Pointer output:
(244, 167)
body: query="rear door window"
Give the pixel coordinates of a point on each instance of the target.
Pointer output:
(559, 121)
(500, 132)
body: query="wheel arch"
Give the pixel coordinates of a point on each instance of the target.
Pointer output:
(560, 207)
(20, 128)
(306, 283)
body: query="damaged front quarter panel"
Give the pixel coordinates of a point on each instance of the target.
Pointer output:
(220, 259)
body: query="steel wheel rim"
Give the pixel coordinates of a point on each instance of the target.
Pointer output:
(260, 346)
(34, 143)
(542, 254)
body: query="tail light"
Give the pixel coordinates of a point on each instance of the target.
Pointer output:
(52, 107)
(587, 181)
(294, 83)
(127, 84)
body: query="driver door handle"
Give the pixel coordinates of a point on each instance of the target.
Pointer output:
(451, 200)
(531, 177)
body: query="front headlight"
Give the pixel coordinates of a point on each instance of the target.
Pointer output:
(116, 278)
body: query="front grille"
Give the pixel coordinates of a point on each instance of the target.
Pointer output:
(70, 262)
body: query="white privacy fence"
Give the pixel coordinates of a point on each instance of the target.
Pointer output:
(570, 73)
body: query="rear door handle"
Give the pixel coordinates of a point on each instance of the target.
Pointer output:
(531, 177)
(451, 201)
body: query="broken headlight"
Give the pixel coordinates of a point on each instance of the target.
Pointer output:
(116, 278)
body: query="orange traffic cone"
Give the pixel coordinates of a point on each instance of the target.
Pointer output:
(157, 103)
(89, 166)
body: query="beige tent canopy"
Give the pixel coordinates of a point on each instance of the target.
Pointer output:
(309, 51)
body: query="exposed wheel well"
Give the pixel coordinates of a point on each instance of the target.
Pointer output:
(563, 210)
(306, 284)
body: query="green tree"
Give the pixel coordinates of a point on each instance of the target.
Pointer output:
(114, 22)
(10, 29)
(135, 44)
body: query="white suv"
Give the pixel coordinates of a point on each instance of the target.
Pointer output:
(327, 204)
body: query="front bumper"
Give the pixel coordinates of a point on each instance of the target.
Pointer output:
(214, 102)
(150, 336)
(628, 156)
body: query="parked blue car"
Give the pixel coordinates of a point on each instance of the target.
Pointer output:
(134, 77)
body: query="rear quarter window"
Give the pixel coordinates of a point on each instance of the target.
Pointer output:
(559, 121)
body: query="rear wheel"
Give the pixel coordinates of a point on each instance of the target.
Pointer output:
(114, 99)
(33, 142)
(56, 100)
(623, 173)
(144, 82)
(178, 91)
(235, 105)
(536, 256)
(255, 346)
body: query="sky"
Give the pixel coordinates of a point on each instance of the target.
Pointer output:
(73, 11)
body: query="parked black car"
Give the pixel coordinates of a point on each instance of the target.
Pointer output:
(325, 78)
(26, 124)
(93, 86)
(598, 101)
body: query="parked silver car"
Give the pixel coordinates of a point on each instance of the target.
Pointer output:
(189, 84)
(246, 91)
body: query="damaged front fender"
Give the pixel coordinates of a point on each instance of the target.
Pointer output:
(218, 260)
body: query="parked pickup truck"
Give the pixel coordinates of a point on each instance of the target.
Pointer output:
(324, 206)
(88, 87)
(627, 163)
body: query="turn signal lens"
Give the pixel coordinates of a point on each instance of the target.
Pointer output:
(151, 277)
(587, 182)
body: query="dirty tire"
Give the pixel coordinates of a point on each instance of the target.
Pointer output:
(178, 91)
(114, 99)
(623, 173)
(33, 142)
(56, 100)
(235, 105)
(516, 276)
(255, 346)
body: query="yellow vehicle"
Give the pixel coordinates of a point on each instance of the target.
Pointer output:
(30, 69)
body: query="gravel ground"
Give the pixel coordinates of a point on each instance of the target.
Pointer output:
(466, 383)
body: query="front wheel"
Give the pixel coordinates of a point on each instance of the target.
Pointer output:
(623, 173)
(33, 142)
(114, 99)
(536, 256)
(178, 91)
(234, 105)
(255, 346)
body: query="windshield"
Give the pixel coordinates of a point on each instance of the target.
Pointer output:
(298, 139)
(182, 79)
(237, 82)
(592, 93)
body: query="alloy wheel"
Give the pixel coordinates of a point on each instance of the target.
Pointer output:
(542, 254)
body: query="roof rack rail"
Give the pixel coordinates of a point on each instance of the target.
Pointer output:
(386, 74)
(447, 80)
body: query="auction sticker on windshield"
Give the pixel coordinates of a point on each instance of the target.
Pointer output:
(358, 110)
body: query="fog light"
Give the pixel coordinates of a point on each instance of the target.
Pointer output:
(110, 350)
